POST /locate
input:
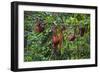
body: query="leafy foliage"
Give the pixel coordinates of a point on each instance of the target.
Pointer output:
(38, 45)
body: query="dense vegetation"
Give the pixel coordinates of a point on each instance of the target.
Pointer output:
(56, 36)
